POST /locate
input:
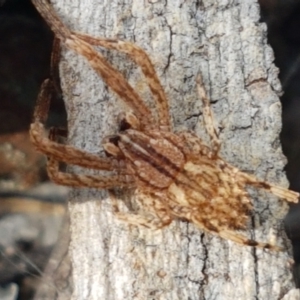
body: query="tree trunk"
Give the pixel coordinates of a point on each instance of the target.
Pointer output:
(224, 41)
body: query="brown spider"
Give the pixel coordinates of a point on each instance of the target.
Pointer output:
(175, 175)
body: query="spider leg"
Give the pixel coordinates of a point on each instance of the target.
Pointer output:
(276, 190)
(121, 179)
(189, 214)
(208, 116)
(241, 239)
(91, 181)
(113, 78)
(140, 57)
(157, 218)
(228, 234)
(193, 145)
(54, 66)
(64, 153)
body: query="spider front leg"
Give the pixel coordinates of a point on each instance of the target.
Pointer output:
(90, 181)
(208, 116)
(60, 152)
(112, 77)
(121, 179)
(140, 57)
(57, 152)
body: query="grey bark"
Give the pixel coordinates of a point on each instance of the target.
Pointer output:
(225, 41)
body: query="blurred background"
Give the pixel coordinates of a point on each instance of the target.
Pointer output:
(32, 210)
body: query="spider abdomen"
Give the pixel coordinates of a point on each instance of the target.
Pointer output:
(213, 193)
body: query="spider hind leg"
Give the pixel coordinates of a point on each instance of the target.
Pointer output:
(208, 116)
(276, 190)
(241, 239)
(156, 214)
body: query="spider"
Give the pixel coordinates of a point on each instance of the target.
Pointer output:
(174, 175)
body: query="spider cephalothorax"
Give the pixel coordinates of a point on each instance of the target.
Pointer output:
(175, 175)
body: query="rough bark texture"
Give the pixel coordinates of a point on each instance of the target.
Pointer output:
(226, 43)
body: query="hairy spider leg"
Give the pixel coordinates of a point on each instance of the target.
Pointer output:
(158, 213)
(165, 215)
(241, 239)
(276, 190)
(203, 223)
(54, 66)
(208, 116)
(121, 179)
(113, 78)
(63, 153)
(140, 57)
